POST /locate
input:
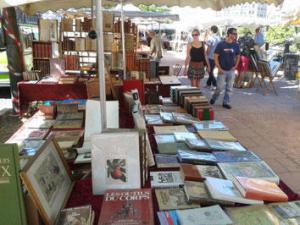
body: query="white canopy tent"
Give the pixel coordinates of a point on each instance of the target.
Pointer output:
(33, 6)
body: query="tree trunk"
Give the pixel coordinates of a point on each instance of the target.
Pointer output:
(14, 52)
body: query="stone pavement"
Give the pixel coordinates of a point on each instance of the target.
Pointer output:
(267, 125)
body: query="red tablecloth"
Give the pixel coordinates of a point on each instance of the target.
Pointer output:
(29, 92)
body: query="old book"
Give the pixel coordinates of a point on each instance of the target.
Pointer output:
(259, 189)
(197, 144)
(11, 194)
(68, 124)
(197, 192)
(165, 179)
(167, 117)
(72, 136)
(210, 215)
(174, 91)
(184, 118)
(48, 30)
(67, 108)
(257, 169)
(193, 157)
(286, 210)
(152, 119)
(169, 129)
(172, 198)
(127, 207)
(78, 215)
(224, 145)
(209, 171)
(182, 136)
(70, 116)
(250, 215)
(190, 172)
(210, 125)
(236, 156)
(80, 44)
(166, 144)
(152, 109)
(166, 161)
(225, 190)
(115, 166)
(216, 135)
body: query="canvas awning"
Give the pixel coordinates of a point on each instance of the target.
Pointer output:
(33, 6)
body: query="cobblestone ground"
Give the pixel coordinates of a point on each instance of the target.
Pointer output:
(268, 125)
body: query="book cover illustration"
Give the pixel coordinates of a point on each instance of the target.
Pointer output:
(132, 207)
(197, 144)
(248, 169)
(210, 215)
(166, 179)
(49, 178)
(166, 161)
(116, 170)
(225, 145)
(172, 198)
(209, 171)
(193, 157)
(76, 216)
(210, 125)
(235, 156)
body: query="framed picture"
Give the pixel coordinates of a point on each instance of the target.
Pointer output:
(48, 180)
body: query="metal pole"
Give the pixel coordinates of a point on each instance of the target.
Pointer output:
(123, 41)
(101, 70)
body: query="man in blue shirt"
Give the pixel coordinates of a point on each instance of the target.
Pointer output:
(227, 57)
(212, 43)
(259, 37)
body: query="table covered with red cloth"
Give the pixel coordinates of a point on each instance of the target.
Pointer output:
(82, 193)
(29, 92)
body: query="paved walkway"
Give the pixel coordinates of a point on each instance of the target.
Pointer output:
(267, 125)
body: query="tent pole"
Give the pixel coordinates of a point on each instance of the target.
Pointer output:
(123, 42)
(101, 68)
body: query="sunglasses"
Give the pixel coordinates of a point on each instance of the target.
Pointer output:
(195, 35)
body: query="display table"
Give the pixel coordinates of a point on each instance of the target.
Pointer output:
(29, 92)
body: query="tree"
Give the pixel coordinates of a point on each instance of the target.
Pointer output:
(278, 34)
(152, 8)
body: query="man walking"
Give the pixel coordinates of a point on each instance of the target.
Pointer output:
(155, 53)
(227, 57)
(212, 43)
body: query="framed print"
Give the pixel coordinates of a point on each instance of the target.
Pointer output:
(48, 180)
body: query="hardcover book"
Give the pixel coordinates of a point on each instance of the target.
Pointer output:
(68, 124)
(236, 156)
(133, 207)
(224, 145)
(70, 116)
(209, 171)
(259, 189)
(11, 194)
(167, 117)
(225, 190)
(184, 118)
(152, 119)
(197, 144)
(210, 215)
(256, 214)
(190, 172)
(166, 161)
(165, 179)
(169, 129)
(166, 144)
(216, 135)
(286, 210)
(197, 192)
(248, 169)
(173, 198)
(115, 166)
(78, 215)
(209, 125)
(193, 157)
(182, 136)
(152, 109)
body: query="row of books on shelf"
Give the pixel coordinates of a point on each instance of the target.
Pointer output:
(42, 49)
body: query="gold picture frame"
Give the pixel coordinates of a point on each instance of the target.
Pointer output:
(47, 178)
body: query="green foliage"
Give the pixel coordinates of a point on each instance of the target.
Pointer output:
(152, 8)
(278, 34)
(243, 30)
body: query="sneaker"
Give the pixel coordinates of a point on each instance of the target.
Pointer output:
(227, 106)
(212, 101)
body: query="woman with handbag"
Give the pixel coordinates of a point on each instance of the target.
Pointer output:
(196, 59)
